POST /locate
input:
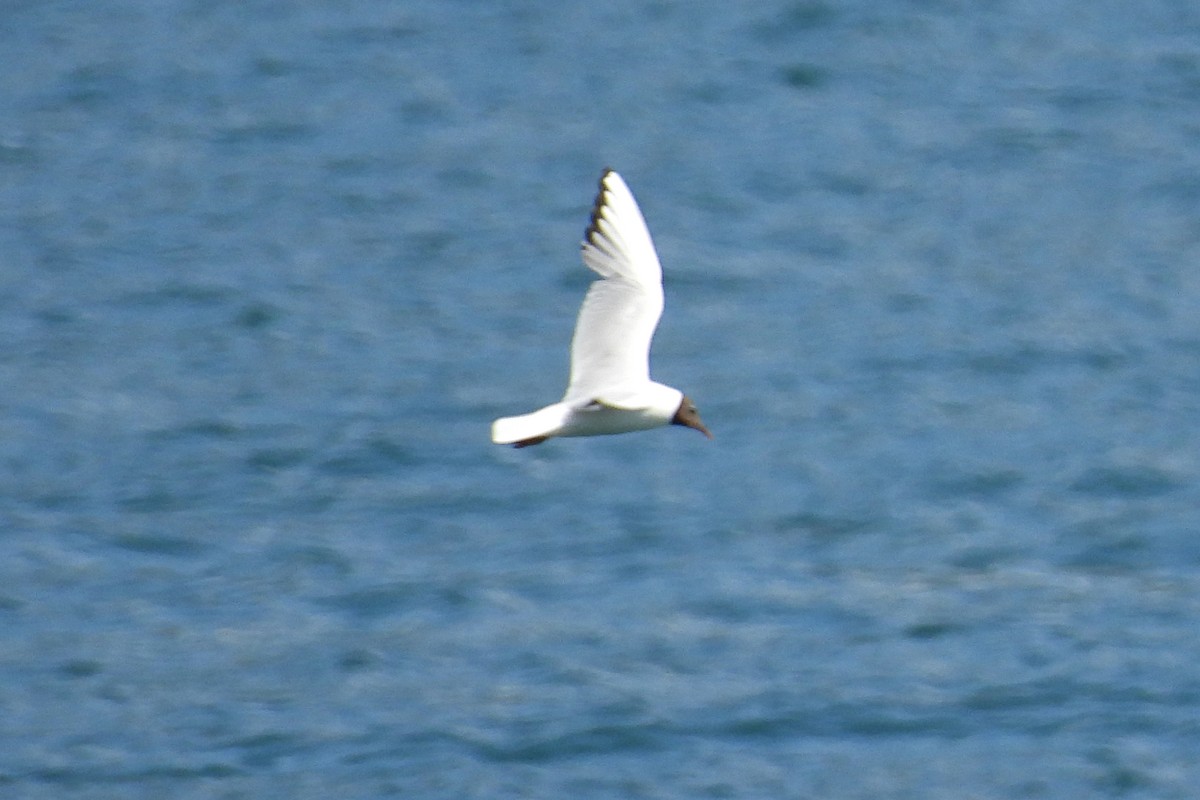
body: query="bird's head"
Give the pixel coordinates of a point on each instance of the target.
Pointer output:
(688, 415)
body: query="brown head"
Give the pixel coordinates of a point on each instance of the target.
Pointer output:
(689, 416)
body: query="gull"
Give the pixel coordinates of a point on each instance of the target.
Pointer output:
(610, 390)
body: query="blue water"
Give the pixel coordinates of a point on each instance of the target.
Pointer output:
(268, 271)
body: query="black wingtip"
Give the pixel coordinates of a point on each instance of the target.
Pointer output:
(597, 206)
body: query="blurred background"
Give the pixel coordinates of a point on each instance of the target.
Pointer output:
(268, 270)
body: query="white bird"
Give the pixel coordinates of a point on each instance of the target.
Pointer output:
(610, 390)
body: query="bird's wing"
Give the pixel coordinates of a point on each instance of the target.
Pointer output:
(611, 347)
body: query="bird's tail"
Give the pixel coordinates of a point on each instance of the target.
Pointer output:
(539, 425)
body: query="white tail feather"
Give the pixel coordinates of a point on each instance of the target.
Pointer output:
(544, 422)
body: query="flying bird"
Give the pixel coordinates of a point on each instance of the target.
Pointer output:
(610, 390)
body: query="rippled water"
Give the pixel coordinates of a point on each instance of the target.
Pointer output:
(268, 271)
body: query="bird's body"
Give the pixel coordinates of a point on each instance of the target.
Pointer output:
(652, 409)
(610, 390)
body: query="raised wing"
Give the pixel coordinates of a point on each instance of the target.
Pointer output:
(611, 346)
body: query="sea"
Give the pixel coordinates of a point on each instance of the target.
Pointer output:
(270, 268)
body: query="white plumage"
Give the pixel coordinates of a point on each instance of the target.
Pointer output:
(610, 390)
